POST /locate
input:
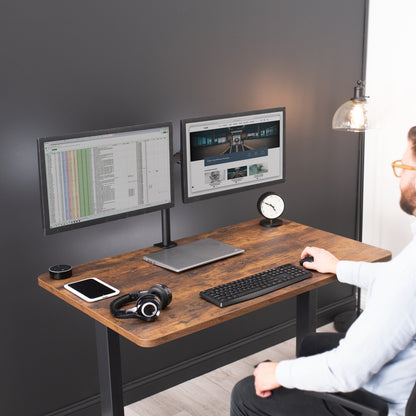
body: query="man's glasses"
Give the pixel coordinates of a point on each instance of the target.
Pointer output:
(398, 167)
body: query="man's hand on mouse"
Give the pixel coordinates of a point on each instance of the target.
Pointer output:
(324, 261)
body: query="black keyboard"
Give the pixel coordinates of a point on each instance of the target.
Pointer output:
(255, 285)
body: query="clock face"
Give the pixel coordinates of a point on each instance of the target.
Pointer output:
(271, 205)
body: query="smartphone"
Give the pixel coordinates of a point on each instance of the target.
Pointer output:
(91, 289)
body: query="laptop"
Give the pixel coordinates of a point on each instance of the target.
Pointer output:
(190, 255)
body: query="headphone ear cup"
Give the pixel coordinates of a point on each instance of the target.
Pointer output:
(163, 293)
(148, 307)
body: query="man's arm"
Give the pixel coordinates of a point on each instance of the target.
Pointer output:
(384, 329)
(367, 346)
(360, 274)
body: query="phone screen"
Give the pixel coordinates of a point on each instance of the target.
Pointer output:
(91, 289)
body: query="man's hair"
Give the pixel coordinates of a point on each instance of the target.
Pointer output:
(412, 138)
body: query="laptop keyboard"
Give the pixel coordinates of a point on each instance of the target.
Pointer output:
(255, 285)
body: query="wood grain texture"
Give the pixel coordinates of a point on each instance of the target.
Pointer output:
(188, 313)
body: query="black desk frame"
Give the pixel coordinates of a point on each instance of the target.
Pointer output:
(109, 358)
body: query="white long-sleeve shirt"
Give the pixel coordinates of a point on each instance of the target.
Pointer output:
(378, 352)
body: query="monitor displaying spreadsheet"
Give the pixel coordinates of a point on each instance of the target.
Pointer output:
(92, 177)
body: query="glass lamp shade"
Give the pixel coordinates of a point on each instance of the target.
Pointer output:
(351, 116)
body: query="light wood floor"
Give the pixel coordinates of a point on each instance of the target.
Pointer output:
(209, 394)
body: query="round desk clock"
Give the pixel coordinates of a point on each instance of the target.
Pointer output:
(271, 206)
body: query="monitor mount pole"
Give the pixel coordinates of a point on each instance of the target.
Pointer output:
(166, 241)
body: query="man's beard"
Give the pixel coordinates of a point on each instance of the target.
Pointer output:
(408, 201)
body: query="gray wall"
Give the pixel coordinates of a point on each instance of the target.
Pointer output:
(84, 65)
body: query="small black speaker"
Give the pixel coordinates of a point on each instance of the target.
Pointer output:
(60, 271)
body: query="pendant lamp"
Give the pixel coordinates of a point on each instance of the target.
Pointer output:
(352, 115)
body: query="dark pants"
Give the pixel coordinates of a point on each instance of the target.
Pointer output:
(287, 402)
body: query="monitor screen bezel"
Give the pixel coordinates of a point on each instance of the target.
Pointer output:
(43, 179)
(184, 155)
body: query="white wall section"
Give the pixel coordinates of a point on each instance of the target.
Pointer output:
(391, 85)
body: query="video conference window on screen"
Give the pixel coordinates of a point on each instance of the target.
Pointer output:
(103, 175)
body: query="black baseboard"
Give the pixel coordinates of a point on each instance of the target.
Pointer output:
(178, 373)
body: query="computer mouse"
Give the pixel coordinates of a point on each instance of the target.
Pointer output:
(307, 258)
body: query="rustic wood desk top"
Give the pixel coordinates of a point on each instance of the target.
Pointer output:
(188, 313)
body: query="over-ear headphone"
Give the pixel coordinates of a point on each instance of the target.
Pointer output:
(148, 303)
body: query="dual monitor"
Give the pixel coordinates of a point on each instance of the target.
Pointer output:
(98, 176)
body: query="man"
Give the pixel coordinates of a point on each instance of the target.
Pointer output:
(378, 353)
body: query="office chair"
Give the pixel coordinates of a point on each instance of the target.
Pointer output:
(364, 403)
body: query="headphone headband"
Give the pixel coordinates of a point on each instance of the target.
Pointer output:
(121, 301)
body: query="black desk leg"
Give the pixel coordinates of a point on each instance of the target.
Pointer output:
(306, 307)
(109, 371)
